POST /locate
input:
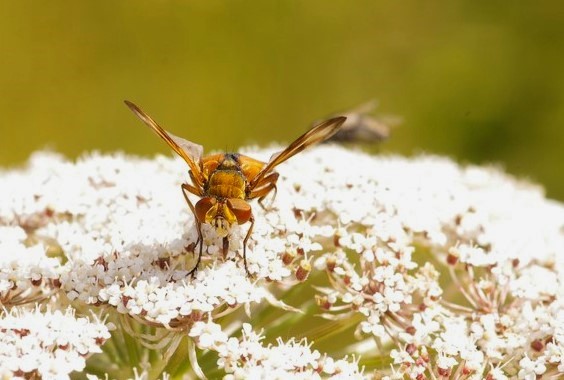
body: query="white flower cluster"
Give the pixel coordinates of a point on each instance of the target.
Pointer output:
(248, 358)
(129, 237)
(170, 299)
(49, 345)
(525, 342)
(26, 273)
(501, 240)
(454, 271)
(445, 333)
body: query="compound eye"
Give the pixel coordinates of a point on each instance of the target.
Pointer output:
(240, 208)
(203, 206)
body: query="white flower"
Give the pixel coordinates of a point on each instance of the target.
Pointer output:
(497, 374)
(446, 362)
(401, 357)
(425, 325)
(536, 283)
(474, 255)
(249, 358)
(530, 369)
(50, 344)
(26, 272)
(209, 335)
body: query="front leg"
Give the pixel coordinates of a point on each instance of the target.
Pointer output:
(185, 187)
(263, 188)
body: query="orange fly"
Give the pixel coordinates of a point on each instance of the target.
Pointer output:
(226, 182)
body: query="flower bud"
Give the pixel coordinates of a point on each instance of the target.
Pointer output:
(303, 270)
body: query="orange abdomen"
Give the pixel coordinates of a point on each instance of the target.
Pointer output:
(226, 184)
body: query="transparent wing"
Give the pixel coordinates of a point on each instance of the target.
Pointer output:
(189, 151)
(195, 151)
(319, 133)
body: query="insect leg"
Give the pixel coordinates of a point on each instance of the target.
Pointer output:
(252, 220)
(196, 190)
(264, 187)
(267, 190)
(196, 181)
(185, 187)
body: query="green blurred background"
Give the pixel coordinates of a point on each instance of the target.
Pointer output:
(483, 83)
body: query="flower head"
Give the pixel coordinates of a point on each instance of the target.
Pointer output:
(440, 269)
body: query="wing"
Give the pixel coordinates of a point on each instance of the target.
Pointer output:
(362, 126)
(189, 151)
(315, 135)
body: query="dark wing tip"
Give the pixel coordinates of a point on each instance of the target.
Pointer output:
(336, 123)
(132, 106)
(139, 113)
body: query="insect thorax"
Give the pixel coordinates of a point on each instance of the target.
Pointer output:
(228, 183)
